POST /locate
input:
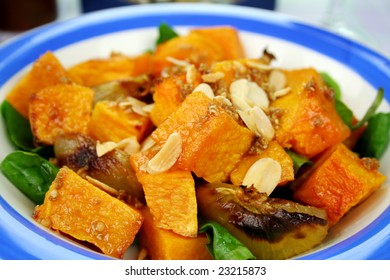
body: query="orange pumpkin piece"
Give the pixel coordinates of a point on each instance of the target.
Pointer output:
(46, 71)
(274, 151)
(162, 244)
(227, 37)
(212, 141)
(194, 48)
(338, 181)
(309, 123)
(169, 195)
(75, 207)
(169, 93)
(112, 122)
(97, 71)
(62, 108)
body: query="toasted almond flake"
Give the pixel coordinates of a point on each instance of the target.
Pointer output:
(206, 89)
(191, 74)
(263, 123)
(148, 143)
(129, 145)
(220, 99)
(264, 175)
(148, 108)
(281, 92)
(135, 105)
(104, 187)
(258, 122)
(167, 156)
(104, 148)
(212, 77)
(277, 80)
(257, 96)
(178, 62)
(238, 91)
(258, 65)
(239, 67)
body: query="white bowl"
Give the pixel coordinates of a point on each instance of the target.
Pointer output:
(362, 234)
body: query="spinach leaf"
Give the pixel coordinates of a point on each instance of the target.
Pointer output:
(30, 173)
(19, 131)
(222, 245)
(165, 33)
(298, 160)
(344, 112)
(18, 127)
(371, 110)
(375, 139)
(330, 82)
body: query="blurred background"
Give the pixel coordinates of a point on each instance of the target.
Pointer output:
(365, 21)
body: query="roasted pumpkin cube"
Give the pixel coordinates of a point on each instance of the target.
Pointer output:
(62, 108)
(97, 71)
(46, 71)
(274, 151)
(227, 37)
(212, 141)
(169, 93)
(194, 48)
(309, 123)
(338, 181)
(112, 122)
(75, 207)
(169, 195)
(162, 244)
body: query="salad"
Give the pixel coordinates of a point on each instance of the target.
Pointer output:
(190, 150)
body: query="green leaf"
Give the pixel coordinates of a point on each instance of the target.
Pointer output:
(30, 173)
(222, 245)
(330, 82)
(371, 111)
(165, 33)
(375, 139)
(298, 160)
(344, 112)
(19, 131)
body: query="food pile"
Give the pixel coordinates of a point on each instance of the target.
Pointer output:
(192, 149)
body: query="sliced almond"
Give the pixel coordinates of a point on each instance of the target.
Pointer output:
(213, 77)
(104, 187)
(191, 74)
(104, 148)
(148, 108)
(178, 62)
(220, 99)
(257, 96)
(135, 105)
(258, 122)
(264, 175)
(167, 156)
(148, 143)
(246, 94)
(281, 92)
(258, 65)
(263, 123)
(206, 89)
(129, 145)
(277, 80)
(238, 91)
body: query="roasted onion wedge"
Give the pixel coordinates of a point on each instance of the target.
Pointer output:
(78, 152)
(271, 228)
